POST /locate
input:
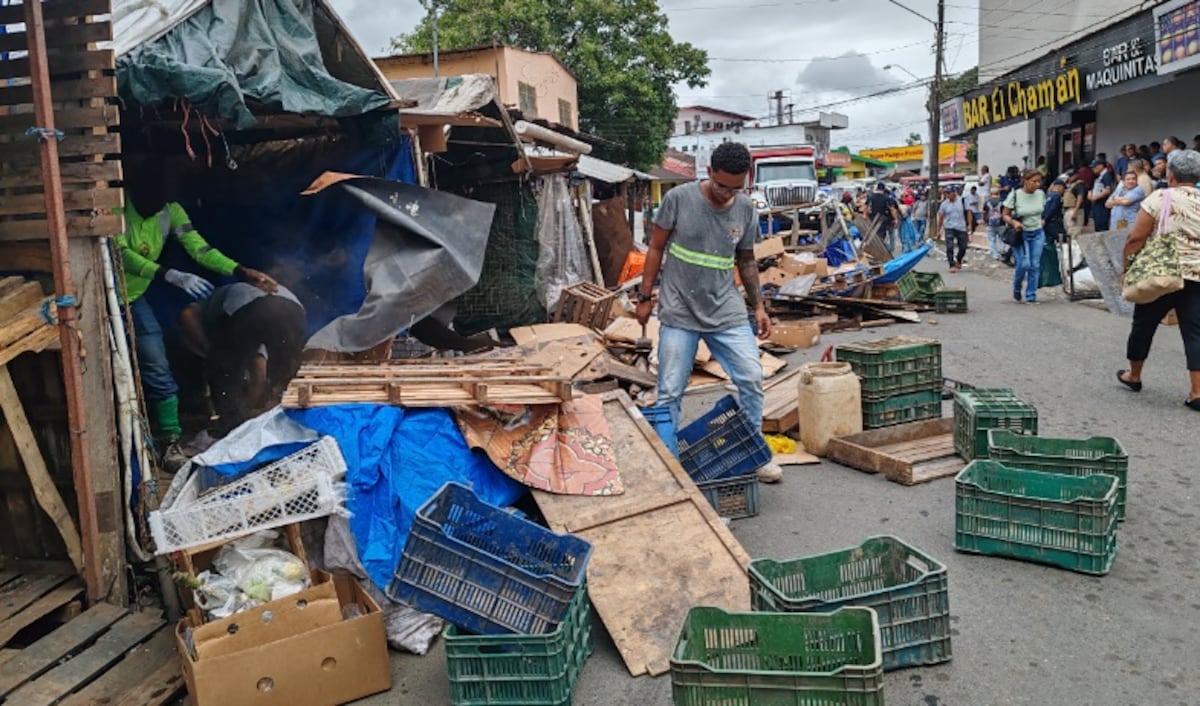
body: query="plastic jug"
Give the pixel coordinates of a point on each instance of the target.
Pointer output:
(830, 404)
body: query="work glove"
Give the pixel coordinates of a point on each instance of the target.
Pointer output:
(195, 286)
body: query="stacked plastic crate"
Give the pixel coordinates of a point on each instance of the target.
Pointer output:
(513, 593)
(721, 452)
(901, 379)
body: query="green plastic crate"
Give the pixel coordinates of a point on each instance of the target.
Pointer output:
(894, 366)
(1065, 521)
(520, 670)
(978, 410)
(950, 300)
(907, 588)
(1074, 457)
(778, 659)
(902, 409)
(919, 287)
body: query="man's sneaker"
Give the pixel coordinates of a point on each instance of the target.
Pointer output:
(174, 458)
(769, 473)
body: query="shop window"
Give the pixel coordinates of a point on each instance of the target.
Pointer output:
(564, 112)
(527, 99)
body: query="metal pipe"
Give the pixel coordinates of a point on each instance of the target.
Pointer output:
(71, 355)
(530, 131)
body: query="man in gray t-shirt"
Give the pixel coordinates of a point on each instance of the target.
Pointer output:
(702, 231)
(952, 223)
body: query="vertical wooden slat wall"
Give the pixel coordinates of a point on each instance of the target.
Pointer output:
(83, 89)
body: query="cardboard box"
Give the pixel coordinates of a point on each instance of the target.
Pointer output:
(294, 651)
(795, 266)
(796, 335)
(769, 247)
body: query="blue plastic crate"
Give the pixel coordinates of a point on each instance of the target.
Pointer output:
(660, 419)
(722, 444)
(734, 498)
(486, 570)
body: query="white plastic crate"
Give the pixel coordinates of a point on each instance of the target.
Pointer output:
(299, 487)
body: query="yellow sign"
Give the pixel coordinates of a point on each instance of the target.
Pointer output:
(910, 153)
(1022, 99)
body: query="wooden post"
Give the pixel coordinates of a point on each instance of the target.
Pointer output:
(64, 290)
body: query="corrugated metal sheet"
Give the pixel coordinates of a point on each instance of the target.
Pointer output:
(608, 172)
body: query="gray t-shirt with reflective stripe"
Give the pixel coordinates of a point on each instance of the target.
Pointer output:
(697, 291)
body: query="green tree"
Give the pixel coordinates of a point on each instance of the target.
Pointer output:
(914, 138)
(619, 51)
(955, 86)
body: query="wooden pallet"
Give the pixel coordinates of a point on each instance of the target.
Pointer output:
(431, 385)
(907, 453)
(83, 89)
(102, 655)
(781, 403)
(658, 549)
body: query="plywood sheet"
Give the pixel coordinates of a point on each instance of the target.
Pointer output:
(659, 549)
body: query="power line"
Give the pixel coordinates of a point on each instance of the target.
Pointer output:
(854, 55)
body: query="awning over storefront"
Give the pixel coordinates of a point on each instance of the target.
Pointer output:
(1119, 59)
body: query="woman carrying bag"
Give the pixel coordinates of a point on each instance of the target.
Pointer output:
(1162, 256)
(1023, 214)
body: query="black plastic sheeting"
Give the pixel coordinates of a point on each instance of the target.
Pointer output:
(234, 51)
(428, 249)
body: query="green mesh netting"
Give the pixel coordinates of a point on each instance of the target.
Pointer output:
(505, 296)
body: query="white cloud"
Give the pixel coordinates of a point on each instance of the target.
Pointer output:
(817, 51)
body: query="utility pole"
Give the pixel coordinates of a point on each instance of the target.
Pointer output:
(935, 114)
(778, 107)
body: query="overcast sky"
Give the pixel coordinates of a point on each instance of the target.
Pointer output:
(819, 52)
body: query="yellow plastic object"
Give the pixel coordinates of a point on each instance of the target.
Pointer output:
(780, 444)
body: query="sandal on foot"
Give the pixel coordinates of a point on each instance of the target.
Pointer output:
(1135, 386)
(1193, 403)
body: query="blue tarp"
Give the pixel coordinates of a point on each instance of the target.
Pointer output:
(397, 459)
(895, 268)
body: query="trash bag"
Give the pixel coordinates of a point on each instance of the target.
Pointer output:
(1051, 273)
(910, 239)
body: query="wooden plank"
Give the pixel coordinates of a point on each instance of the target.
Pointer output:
(7, 577)
(39, 609)
(148, 676)
(24, 151)
(14, 14)
(36, 342)
(21, 593)
(63, 62)
(72, 173)
(905, 454)
(102, 200)
(27, 322)
(19, 299)
(44, 490)
(100, 436)
(61, 36)
(110, 647)
(654, 559)
(77, 227)
(43, 654)
(67, 90)
(103, 116)
(781, 403)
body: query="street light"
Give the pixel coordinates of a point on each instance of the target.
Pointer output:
(889, 67)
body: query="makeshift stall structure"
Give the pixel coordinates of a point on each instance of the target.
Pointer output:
(80, 105)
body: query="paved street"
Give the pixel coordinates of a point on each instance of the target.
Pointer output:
(1023, 633)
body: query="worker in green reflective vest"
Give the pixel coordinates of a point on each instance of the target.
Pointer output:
(151, 217)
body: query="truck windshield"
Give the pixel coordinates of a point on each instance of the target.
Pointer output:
(780, 171)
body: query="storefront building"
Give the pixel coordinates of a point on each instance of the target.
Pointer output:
(1131, 82)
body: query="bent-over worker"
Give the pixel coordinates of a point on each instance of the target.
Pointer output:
(151, 217)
